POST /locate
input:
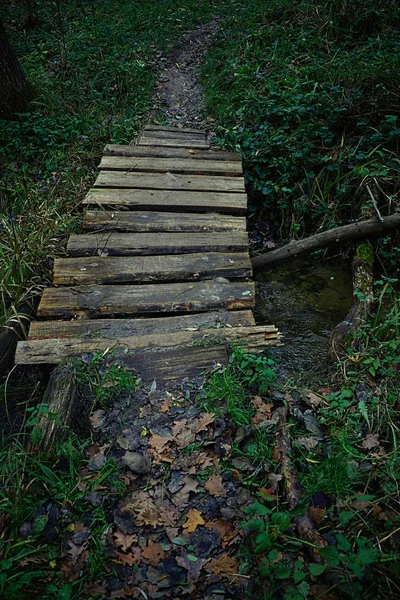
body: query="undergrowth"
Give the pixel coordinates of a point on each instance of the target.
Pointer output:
(339, 538)
(309, 92)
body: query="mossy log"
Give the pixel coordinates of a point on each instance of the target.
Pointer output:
(66, 409)
(346, 233)
(363, 299)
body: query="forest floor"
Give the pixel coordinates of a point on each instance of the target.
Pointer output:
(238, 483)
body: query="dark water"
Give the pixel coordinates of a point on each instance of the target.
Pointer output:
(305, 300)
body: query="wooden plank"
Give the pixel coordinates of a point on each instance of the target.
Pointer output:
(171, 165)
(161, 152)
(174, 133)
(148, 244)
(56, 350)
(167, 365)
(160, 221)
(172, 143)
(108, 300)
(155, 200)
(187, 267)
(169, 181)
(116, 328)
(169, 128)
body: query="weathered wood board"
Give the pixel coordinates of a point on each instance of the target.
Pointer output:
(186, 267)
(118, 328)
(55, 350)
(163, 152)
(108, 300)
(145, 244)
(174, 134)
(133, 164)
(174, 142)
(165, 200)
(118, 220)
(169, 181)
(175, 130)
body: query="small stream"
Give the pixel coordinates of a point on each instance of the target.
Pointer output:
(305, 300)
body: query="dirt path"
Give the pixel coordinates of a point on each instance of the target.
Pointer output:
(180, 97)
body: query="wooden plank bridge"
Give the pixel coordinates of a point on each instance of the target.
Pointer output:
(162, 271)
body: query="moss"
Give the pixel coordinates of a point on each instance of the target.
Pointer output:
(365, 253)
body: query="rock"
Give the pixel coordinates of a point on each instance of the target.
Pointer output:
(137, 463)
(97, 462)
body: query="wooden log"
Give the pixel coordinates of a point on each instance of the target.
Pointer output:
(141, 164)
(140, 222)
(162, 152)
(109, 300)
(120, 328)
(171, 201)
(169, 181)
(363, 299)
(53, 351)
(346, 233)
(14, 330)
(147, 269)
(149, 244)
(66, 409)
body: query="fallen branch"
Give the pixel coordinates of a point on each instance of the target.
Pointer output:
(346, 233)
(363, 298)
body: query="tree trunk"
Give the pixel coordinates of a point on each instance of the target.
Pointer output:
(15, 90)
(346, 233)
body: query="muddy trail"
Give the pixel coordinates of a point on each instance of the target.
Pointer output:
(179, 100)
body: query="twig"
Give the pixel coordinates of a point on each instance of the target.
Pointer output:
(374, 204)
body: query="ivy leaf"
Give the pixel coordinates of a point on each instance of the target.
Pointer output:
(316, 569)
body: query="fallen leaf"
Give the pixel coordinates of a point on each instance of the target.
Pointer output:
(225, 530)
(96, 418)
(204, 421)
(194, 519)
(274, 479)
(182, 497)
(166, 405)
(153, 553)
(182, 432)
(158, 443)
(224, 564)
(132, 558)
(124, 540)
(215, 487)
(307, 442)
(264, 410)
(313, 400)
(316, 514)
(371, 441)
(193, 565)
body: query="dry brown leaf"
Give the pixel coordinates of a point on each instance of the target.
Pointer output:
(313, 400)
(194, 519)
(96, 418)
(264, 410)
(183, 433)
(215, 487)
(124, 540)
(158, 443)
(274, 479)
(224, 565)
(153, 553)
(166, 405)
(128, 559)
(307, 442)
(225, 530)
(316, 514)
(182, 497)
(371, 441)
(204, 421)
